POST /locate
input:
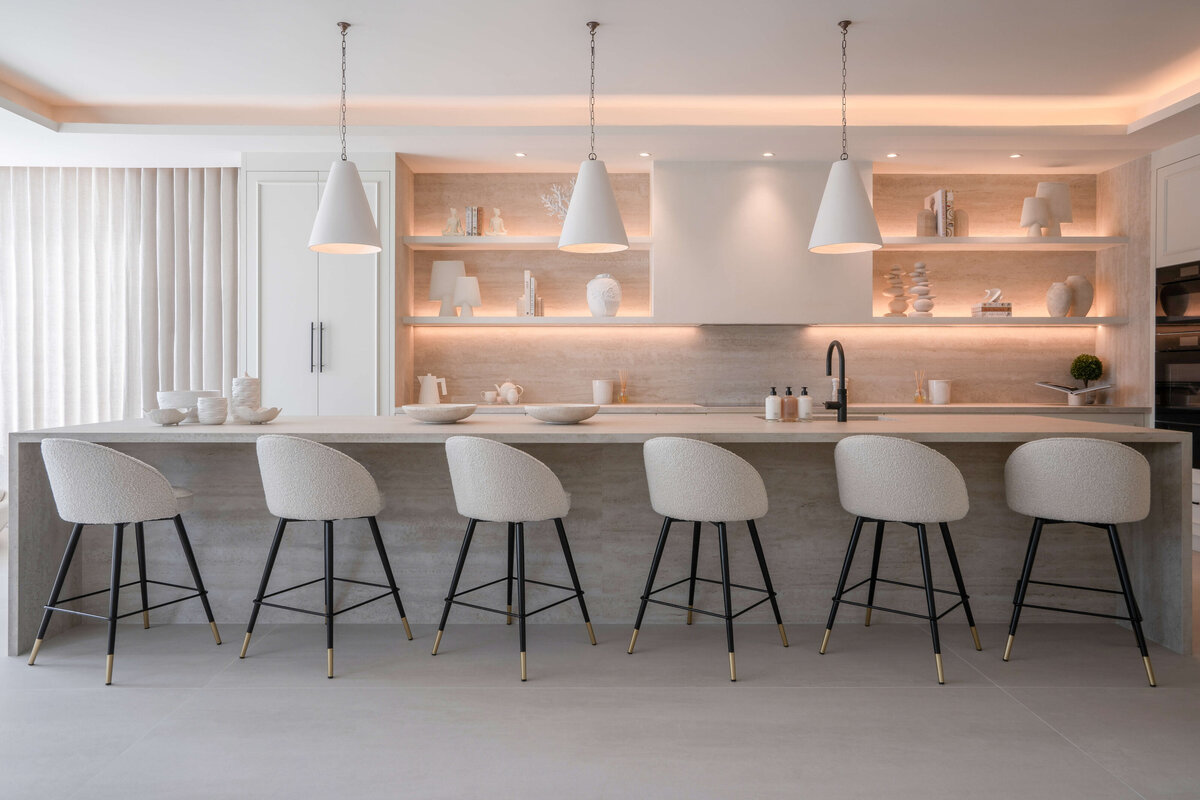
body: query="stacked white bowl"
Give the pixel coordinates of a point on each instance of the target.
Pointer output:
(185, 399)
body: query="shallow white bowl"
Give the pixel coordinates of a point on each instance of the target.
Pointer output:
(166, 416)
(562, 413)
(185, 399)
(255, 416)
(439, 412)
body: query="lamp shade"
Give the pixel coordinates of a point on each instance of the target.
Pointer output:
(1058, 196)
(593, 223)
(1035, 212)
(344, 221)
(466, 292)
(441, 284)
(845, 221)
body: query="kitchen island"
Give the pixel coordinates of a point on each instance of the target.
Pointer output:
(613, 529)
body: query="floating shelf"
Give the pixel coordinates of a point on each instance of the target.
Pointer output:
(1033, 243)
(1077, 322)
(501, 242)
(466, 322)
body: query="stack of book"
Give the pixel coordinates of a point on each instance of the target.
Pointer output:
(473, 221)
(941, 203)
(530, 305)
(992, 309)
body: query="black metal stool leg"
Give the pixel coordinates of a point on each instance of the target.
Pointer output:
(692, 574)
(59, 579)
(762, 564)
(512, 533)
(186, 544)
(387, 571)
(458, 568)
(140, 538)
(520, 558)
(658, 551)
(114, 591)
(329, 596)
(566, 548)
(1135, 616)
(923, 543)
(724, 545)
(262, 585)
(1023, 584)
(841, 587)
(958, 579)
(874, 570)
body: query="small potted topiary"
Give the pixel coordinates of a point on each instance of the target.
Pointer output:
(1086, 368)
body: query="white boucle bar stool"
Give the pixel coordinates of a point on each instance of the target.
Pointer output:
(96, 485)
(305, 481)
(701, 482)
(1091, 482)
(883, 479)
(497, 483)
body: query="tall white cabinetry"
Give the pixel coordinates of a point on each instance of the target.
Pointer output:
(1177, 203)
(317, 327)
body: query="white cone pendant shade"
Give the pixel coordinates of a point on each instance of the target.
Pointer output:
(593, 223)
(845, 221)
(344, 221)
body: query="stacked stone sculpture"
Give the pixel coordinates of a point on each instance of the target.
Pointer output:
(898, 302)
(923, 302)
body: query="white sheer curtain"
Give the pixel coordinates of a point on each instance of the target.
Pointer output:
(114, 283)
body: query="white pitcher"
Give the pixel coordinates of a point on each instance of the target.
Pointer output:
(429, 389)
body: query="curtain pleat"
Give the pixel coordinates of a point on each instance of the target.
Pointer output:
(114, 284)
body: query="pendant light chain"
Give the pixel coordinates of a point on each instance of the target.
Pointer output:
(844, 25)
(592, 93)
(345, 26)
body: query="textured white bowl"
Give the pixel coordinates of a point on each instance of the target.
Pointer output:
(562, 413)
(212, 410)
(255, 416)
(166, 416)
(185, 399)
(439, 412)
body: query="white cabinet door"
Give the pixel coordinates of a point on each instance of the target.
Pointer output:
(1177, 238)
(282, 208)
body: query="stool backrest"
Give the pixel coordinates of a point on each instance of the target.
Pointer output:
(96, 485)
(694, 480)
(306, 480)
(1078, 480)
(887, 478)
(497, 483)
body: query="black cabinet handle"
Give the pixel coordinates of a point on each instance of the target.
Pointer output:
(321, 349)
(312, 330)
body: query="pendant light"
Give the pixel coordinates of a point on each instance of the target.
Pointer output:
(344, 222)
(845, 221)
(593, 223)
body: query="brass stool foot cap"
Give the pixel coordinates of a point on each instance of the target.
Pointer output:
(508, 619)
(1008, 647)
(37, 645)
(941, 675)
(216, 633)
(867, 619)
(437, 640)
(245, 645)
(633, 641)
(145, 620)
(825, 641)
(108, 671)
(407, 630)
(591, 633)
(523, 665)
(783, 635)
(329, 660)
(1149, 670)
(732, 668)
(975, 636)
(689, 617)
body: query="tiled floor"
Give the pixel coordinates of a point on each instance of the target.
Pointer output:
(1069, 717)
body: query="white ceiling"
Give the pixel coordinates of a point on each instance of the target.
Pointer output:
(463, 84)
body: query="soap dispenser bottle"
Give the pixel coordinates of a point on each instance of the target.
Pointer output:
(774, 408)
(805, 403)
(791, 406)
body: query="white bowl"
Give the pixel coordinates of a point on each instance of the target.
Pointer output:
(439, 412)
(166, 416)
(255, 416)
(185, 399)
(212, 410)
(562, 413)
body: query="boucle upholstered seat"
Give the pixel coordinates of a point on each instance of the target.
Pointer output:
(1090, 481)
(701, 482)
(493, 482)
(97, 485)
(885, 479)
(304, 480)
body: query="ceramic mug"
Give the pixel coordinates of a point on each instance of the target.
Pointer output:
(489, 396)
(939, 392)
(602, 393)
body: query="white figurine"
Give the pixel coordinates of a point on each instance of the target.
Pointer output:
(497, 228)
(454, 225)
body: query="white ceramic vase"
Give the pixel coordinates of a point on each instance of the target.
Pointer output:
(1058, 299)
(1082, 295)
(603, 295)
(247, 392)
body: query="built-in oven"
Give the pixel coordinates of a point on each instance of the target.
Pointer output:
(1177, 352)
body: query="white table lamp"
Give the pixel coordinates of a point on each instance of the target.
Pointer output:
(466, 294)
(1035, 214)
(1058, 196)
(441, 284)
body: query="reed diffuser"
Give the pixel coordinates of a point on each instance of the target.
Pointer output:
(919, 395)
(623, 377)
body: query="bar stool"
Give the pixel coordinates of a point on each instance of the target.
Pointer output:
(883, 479)
(308, 482)
(701, 482)
(497, 483)
(96, 485)
(1091, 482)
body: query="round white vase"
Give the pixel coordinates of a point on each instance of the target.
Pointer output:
(603, 295)
(1082, 295)
(1058, 299)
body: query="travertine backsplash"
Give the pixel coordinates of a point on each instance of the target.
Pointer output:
(736, 364)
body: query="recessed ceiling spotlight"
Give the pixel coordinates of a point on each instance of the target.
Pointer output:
(645, 155)
(768, 155)
(893, 155)
(519, 155)
(1015, 155)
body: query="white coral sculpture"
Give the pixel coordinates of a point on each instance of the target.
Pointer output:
(558, 199)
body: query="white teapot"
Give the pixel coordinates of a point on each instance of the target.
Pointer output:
(429, 389)
(510, 392)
